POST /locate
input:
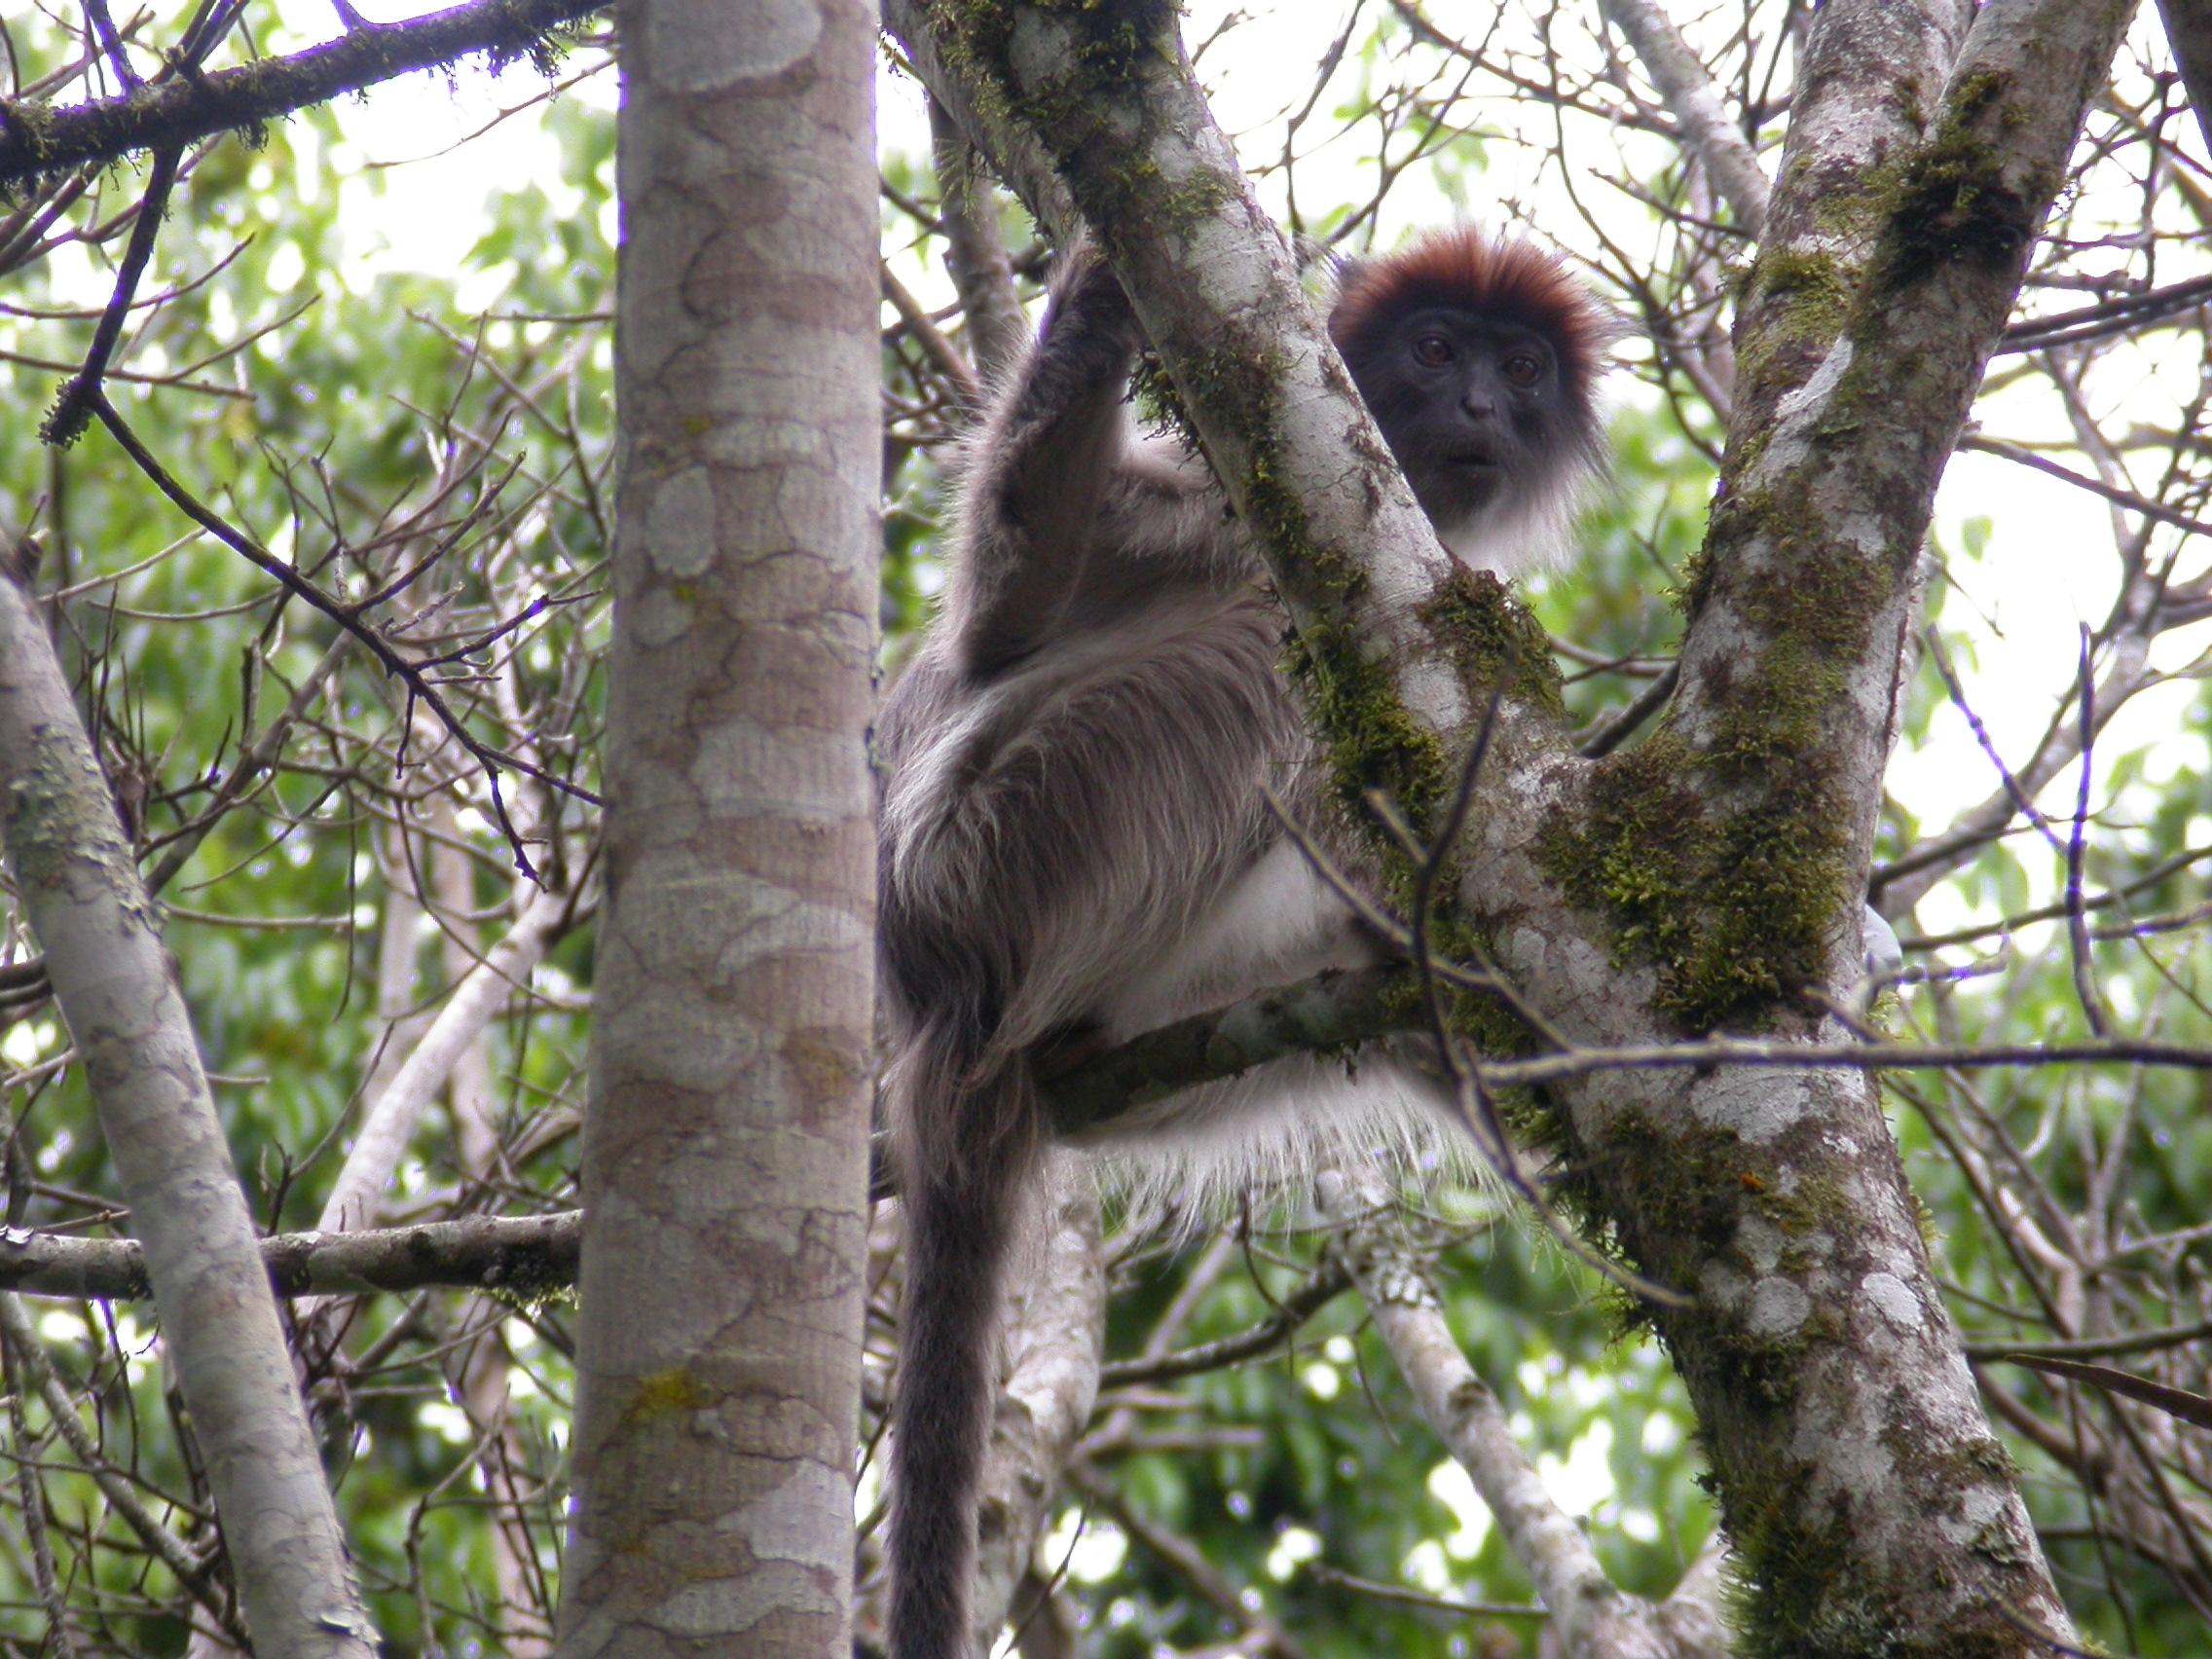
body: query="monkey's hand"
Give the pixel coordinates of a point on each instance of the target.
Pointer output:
(1088, 299)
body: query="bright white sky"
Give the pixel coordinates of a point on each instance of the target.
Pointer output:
(2051, 568)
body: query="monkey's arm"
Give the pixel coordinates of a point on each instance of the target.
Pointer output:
(1042, 470)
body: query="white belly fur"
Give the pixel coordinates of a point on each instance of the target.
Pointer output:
(1277, 924)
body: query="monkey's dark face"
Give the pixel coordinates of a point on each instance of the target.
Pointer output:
(1474, 408)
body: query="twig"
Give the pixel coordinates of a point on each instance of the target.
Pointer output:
(347, 616)
(77, 401)
(2076, 920)
(111, 44)
(2111, 316)
(1323, 1573)
(1183, 1558)
(1687, 85)
(2096, 1348)
(942, 354)
(17, 1329)
(1322, 1286)
(2013, 786)
(1623, 726)
(30, 1498)
(2127, 498)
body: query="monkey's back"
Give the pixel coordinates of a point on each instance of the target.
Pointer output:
(1050, 826)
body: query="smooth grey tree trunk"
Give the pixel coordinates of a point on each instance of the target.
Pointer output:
(724, 1150)
(80, 888)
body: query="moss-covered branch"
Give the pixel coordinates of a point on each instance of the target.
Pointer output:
(524, 1255)
(1731, 850)
(36, 139)
(1711, 876)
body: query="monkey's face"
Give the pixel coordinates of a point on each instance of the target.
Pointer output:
(1473, 406)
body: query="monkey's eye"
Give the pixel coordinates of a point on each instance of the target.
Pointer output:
(1522, 369)
(1432, 350)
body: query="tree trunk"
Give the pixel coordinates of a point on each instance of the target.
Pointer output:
(725, 1153)
(1710, 878)
(117, 991)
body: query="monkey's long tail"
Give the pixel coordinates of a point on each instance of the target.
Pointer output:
(967, 1166)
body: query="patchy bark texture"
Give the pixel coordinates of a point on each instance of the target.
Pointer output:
(116, 989)
(724, 1158)
(1712, 877)
(1858, 1477)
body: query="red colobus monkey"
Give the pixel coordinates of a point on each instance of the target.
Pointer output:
(1075, 842)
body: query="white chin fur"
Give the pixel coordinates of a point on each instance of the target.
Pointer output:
(1512, 543)
(1520, 538)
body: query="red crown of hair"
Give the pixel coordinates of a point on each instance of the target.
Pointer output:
(1463, 269)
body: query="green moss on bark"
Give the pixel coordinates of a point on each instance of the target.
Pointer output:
(1725, 863)
(1493, 640)
(1733, 909)
(1950, 202)
(1802, 300)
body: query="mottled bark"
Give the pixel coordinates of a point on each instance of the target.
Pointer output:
(80, 889)
(725, 1156)
(1844, 1425)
